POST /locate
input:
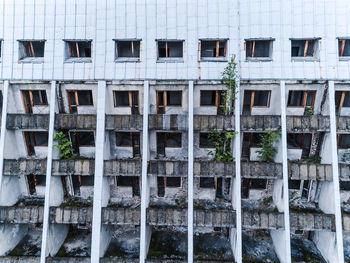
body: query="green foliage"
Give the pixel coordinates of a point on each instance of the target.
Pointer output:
(64, 145)
(229, 76)
(268, 151)
(309, 111)
(314, 159)
(222, 144)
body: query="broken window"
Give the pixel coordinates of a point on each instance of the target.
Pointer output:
(204, 141)
(304, 48)
(294, 184)
(129, 139)
(221, 185)
(127, 49)
(78, 49)
(213, 98)
(82, 139)
(35, 180)
(255, 98)
(255, 184)
(34, 139)
(33, 98)
(344, 47)
(300, 141)
(343, 141)
(79, 181)
(301, 98)
(258, 48)
(250, 140)
(342, 99)
(344, 185)
(213, 48)
(171, 182)
(127, 99)
(130, 181)
(306, 191)
(31, 49)
(79, 98)
(168, 140)
(170, 49)
(168, 98)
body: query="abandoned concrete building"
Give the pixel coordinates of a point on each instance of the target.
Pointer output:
(122, 141)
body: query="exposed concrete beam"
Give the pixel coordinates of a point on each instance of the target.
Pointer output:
(48, 174)
(144, 180)
(190, 174)
(335, 170)
(3, 128)
(98, 184)
(237, 190)
(285, 173)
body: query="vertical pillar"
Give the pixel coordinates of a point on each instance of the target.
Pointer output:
(335, 172)
(98, 183)
(190, 174)
(285, 172)
(237, 190)
(144, 179)
(48, 173)
(3, 128)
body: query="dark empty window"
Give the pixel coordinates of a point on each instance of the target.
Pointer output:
(342, 99)
(127, 99)
(343, 141)
(301, 98)
(174, 98)
(87, 180)
(207, 182)
(344, 185)
(248, 184)
(173, 181)
(33, 98)
(173, 140)
(31, 49)
(344, 47)
(34, 139)
(300, 141)
(213, 48)
(213, 98)
(258, 183)
(82, 139)
(79, 98)
(124, 181)
(168, 139)
(79, 49)
(129, 139)
(128, 49)
(35, 180)
(250, 140)
(85, 97)
(204, 141)
(170, 49)
(304, 48)
(294, 184)
(258, 48)
(168, 98)
(129, 181)
(255, 98)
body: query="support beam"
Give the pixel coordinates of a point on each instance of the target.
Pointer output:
(190, 174)
(237, 190)
(48, 173)
(3, 128)
(335, 172)
(98, 183)
(285, 173)
(144, 180)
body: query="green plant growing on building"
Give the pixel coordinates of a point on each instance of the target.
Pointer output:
(314, 159)
(268, 151)
(222, 145)
(309, 111)
(229, 79)
(64, 145)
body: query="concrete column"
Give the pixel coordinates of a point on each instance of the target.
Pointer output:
(237, 190)
(48, 173)
(285, 173)
(3, 128)
(335, 172)
(98, 183)
(145, 234)
(190, 174)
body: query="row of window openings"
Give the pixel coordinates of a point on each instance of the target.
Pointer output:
(130, 49)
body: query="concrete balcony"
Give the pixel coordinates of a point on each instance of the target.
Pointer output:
(309, 171)
(124, 122)
(260, 122)
(313, 123)
(27, 121)
(21, 215)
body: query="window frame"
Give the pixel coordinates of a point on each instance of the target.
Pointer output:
(76, 97)
(167, 58)
(339, 137)
(22, 54)
(69, 59)
(165, 138)
(305, 95)
(301, 147)
(217, 58)
(342, 99)
(132, 135)
(344, 41)
(127, 59)
(252, 58)
(165, 100)
(31, 134)
(316, 49)
(130, 95)
(78, 132)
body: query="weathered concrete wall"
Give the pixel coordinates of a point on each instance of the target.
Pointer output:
(21, 215)
(309, 171)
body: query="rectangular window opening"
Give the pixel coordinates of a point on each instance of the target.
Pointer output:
(301, 98)
(258, 48)
(344, 47)
(168, 140)
(127, 49)
(170, 49)
(204, 141)
(300, 141)
(168, 98)
(33, 98)
(255, 98)
(213, 48)
(213, 98)
(127, 99)
(129, 139)
(34, 139)
(207, 182)
(78, 49)
(343, 141)
(304, 48)
(342, 99)
(79, 98)
(31, 49)
(250, 140)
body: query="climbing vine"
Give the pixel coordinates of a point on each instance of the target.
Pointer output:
(64, 145)
(222, 144)
(268, 151)
(229, 79)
